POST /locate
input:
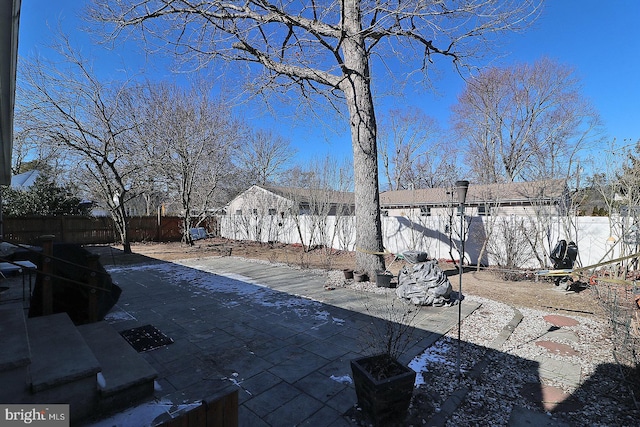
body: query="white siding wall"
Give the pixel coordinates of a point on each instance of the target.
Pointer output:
(473, 210)
(256, 198)
(431, 234)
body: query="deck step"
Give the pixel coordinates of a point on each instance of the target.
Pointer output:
(63, 368)
(126, 377)
(14, 353)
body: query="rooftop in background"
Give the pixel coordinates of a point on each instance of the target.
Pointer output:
(306, 195)
(504, 193)
(24, 180)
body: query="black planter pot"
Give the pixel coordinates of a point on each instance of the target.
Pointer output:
(383, 279)
(383, 397)
(359, 276)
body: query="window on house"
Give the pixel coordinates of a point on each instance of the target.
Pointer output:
(304, 210)
(272, 211)
(484, 210)
(425, 211)
(238, 211)
(384, 212)
(255, 211)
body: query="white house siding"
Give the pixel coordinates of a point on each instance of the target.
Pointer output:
(428, 234)
(259, 200)
(471, 210)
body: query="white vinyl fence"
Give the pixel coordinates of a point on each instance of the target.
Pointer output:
(514, 241)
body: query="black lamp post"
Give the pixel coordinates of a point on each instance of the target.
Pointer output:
(461, 191)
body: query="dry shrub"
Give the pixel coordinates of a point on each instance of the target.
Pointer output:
(618, 301)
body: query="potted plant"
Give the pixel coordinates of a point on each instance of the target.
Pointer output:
(384, 386)
(383, 278)
(360, 276)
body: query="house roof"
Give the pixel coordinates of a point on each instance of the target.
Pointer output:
(504, 193)
(24, 180)
(309, 195)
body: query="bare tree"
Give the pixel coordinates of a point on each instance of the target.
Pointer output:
(263, 157)
(189, 140)
(327, 49)
(28, 152)
(88, 119)
(524, 122)
(322, 204)
(509, 246)
(344, 213)
(412, 152)
(628, 178)
(329, 202)
(299, 176)
(487, 224)
(627, 185)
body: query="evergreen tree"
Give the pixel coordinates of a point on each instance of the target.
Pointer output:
(43, 198)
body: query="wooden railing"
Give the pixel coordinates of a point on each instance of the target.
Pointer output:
(44, 270)
(218, 412)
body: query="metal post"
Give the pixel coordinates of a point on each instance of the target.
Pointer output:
(47, 269)
(460, 271)
(461, 189)
(92, 281)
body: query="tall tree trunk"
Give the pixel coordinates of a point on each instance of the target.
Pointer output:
(357, 89)
(122, 224)
(186, 219)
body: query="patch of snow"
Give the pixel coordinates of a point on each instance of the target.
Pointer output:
(234, 380)
(119, 315)
(239, 289)
(101, 381)
(142, 415)
(325, 315)
(344, 379)
(436, 354)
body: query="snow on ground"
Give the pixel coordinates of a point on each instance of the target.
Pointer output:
(434, 354)
(242, 287)
(140, 416)
(208, 282)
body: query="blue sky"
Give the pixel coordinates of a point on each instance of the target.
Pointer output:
(601, 40)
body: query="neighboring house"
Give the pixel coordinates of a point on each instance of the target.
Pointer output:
(517, 198)
(24, 180)
(259, 200)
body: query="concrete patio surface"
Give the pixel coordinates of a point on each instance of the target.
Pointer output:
(272, 332)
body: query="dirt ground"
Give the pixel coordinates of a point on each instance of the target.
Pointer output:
(540, 294)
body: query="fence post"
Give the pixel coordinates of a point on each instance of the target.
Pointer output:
(47, 291)
(92, 265)
(158, 225)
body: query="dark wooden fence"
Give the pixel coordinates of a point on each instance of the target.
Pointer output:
(90, 230)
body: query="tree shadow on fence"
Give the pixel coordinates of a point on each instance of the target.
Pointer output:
(475, 237)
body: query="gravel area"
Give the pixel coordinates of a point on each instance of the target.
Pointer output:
(495, 381)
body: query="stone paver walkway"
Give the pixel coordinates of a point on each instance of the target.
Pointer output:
(556, 370)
